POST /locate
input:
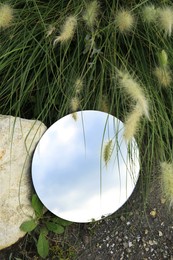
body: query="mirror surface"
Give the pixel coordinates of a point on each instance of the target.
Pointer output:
(82, 168)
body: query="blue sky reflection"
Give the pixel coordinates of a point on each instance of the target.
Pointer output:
(70, 175)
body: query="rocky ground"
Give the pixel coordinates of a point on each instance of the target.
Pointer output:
(137, 231)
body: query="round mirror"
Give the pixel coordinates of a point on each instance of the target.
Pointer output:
(82, 168)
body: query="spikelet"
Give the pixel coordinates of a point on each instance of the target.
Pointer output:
(131, 124)
(91, 13)
(165, 19)
(74, 116)
(124, 21)
(167, 181)
(149, 14)
(107, 152)
(163, 76)
(74, 104)
(68, 30)
(163, 58)
(50, 30)
(6, 15)
(104, 106)
(133, 88)
(78, 85)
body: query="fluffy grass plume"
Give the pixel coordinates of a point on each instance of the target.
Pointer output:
(68, 30)
(165, 19)
(50, 30)
(74, 104)
(134, 90)
(104, 104)
(163, 76)
(149, 13)
(78, 85)
(167, 181)
(107, 152)
(6, 15)
(91, 13)
(131, 124)
(74, 116)
(124, 21)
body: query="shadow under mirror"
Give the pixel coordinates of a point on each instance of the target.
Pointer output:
(82, 168)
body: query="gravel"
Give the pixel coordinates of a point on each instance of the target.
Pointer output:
(135, 231)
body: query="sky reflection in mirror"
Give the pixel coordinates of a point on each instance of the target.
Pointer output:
(82, 169)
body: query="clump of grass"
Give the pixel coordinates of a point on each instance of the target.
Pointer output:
(167, 181)
(6, 15)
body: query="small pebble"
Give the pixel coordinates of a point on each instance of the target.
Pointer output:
(146, 231)
(130, 244)
(122, 218)
(125, 244)
(138, 238)
(160, 234)
(150, 242)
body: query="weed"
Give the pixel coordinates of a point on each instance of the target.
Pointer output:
(43, 226)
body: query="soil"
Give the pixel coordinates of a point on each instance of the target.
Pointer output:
(140, 230)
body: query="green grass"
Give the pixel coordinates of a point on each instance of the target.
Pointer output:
(37, 79)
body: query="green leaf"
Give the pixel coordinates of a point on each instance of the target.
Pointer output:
(44, 230)
(61, 221)
(42, 246)
(54, 227)
(37, 206)
(28, 226)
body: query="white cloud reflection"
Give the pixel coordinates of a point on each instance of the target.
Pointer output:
(68, 171)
